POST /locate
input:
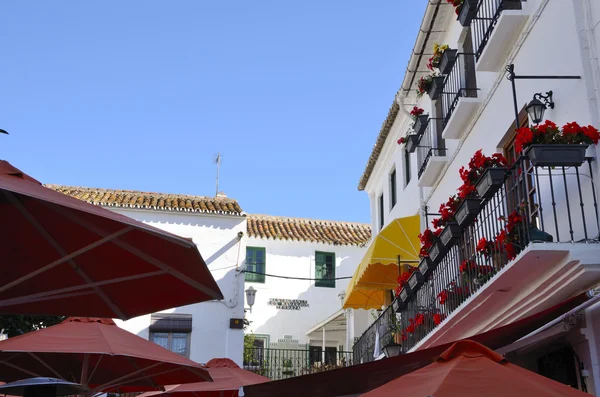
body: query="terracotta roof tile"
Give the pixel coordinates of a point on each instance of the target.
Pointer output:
(152, 201)
(383, 134)
(298, 229)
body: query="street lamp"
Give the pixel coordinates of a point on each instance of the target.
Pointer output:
(392, 349)
(536, 108)
(250, 295)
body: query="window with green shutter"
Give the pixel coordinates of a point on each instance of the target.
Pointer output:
(325, 269)
(255, 263)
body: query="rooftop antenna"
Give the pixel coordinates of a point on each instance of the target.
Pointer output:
(218, 163)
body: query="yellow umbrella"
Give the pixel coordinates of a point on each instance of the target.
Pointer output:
(378, 271)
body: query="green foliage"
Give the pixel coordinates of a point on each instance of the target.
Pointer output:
(14, 325)
(248, 347)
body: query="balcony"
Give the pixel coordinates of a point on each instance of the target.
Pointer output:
(384, 329)
(278, 364)
(459, 97)
(431, 154)
(495, 29)
(470, 292)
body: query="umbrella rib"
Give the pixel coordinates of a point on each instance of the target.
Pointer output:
(118, 381)
(140, 254)
(20, 369)
(45, 365)
(50, 239)
(42, 296)
(91, 376)
(133, 363)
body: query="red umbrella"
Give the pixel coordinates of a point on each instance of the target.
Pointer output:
(62, 256)
(97, 353)
(227, 377)
(468, 369)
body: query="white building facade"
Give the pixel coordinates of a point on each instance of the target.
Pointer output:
(297, 312)
(473, 109)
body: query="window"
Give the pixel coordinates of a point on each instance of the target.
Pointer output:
(316, 355)
(393, 193)
(325, 269)
(381, 216)
(172, 332)
(406, 167)
(256, 263)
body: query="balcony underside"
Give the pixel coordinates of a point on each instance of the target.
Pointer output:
(432, 171)
(543, 275)
(501, 41)
(458, 122)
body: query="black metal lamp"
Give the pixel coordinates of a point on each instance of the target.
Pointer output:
(392, 349)
(536, 108)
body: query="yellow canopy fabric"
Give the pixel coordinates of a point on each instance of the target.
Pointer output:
(378, 270)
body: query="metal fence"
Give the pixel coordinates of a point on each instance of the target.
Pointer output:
(430, 144)
(488, 13)
(459, 83)
(557, 203)
(278, 364)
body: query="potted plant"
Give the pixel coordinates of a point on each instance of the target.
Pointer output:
(486, 173)
(426, 267)
(412, 141)
(547, 145)
(416, 280)
(465, 9)
(467, 211)
(479, 274)
(447, 61)
(431, 84)
(452, 296)
(420, 120)
(451, 230)
(287, 364)
(436, 252)
(403, 283)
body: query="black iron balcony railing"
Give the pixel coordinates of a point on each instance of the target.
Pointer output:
(430, 144)
(488, 13)
(459, 83)
(384, 330)
(540, 204)
(278, 364)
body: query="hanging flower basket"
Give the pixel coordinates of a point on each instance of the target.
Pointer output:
(412, 141)
(436, 87)
(436, 252)
(451, 234)
(448, 60)
(398, 305)
(467, 12)
(426, 266)
(491, 180)
(554, 155)
(467, 211)
(420, 124)
(406, 295)
(416, 281)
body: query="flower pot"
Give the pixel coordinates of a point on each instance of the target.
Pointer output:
(437, 85)
(426, 266)
(420, 124)
(412, 141)
(467, 12)
(510, 5)
(436, 252)
(447, 62)
(406, 295)
(489, 183)
(415, 281)
(467, 211)
(556, 155)
(450, 234)
(398, 305)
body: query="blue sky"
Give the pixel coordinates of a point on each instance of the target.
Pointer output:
(141, 95)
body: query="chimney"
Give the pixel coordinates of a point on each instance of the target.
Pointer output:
(221, 195)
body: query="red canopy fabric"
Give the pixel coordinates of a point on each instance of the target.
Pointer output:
(97, 353)
(358, 379)
(62, 256)
(227, 377)
(468, 369)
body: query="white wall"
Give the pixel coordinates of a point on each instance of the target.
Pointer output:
(297, 259)
(216, 238)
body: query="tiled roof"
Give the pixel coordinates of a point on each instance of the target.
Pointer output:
(297, 229)
(383, 134)
(152, 201)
